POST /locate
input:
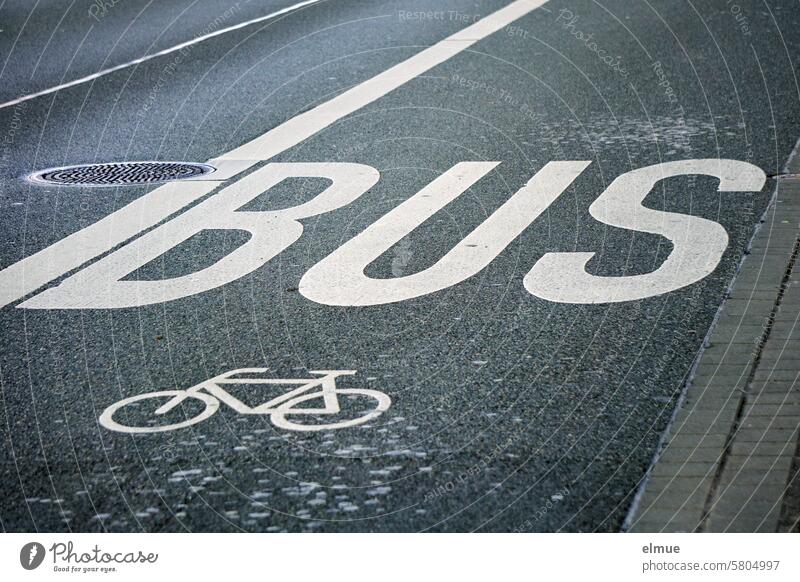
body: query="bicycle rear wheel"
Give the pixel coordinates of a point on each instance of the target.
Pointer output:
(107, 418)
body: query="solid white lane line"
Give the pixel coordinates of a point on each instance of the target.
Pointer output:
(71, 252)
(161, 53)
(304, 125)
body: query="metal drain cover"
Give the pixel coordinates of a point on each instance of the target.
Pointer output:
(120, 173)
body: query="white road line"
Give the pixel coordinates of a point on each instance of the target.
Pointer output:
(303, 126)
(146, 211)
(161, 53)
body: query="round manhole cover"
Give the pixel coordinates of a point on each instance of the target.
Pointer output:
(120, 173)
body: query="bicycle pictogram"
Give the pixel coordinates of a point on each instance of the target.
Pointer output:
(212, 393)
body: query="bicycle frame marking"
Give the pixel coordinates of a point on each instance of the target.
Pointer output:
(212, 392)
(213, 387)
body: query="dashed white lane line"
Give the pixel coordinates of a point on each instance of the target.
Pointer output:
(71, 252)
(161, 53)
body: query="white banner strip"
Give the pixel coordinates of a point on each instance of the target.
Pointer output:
(389, 557)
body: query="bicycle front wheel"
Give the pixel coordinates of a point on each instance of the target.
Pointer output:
(107, 418)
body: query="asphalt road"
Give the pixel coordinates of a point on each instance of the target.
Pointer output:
(508, 412)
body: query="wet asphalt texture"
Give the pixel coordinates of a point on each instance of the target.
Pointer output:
(509, 413)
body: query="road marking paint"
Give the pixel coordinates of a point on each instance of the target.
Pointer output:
(339, 279)
(101, 284)
(698, 244)
(160, 53)
(34, 271)
(303, 126)
(212, 392)
(71, 252)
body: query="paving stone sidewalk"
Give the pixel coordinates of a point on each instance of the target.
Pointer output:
(731, 462)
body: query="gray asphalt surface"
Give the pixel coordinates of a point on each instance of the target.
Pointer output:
(508, 412)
